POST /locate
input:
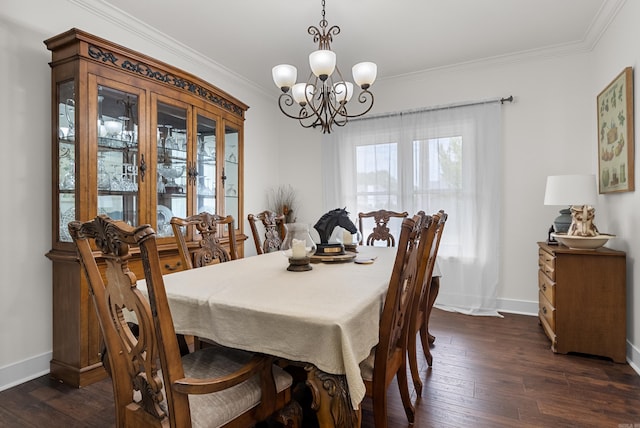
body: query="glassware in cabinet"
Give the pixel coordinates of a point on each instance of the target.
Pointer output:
(66, 158)
(118, 154)
(204, 172)
(171, 165)
(231, 172)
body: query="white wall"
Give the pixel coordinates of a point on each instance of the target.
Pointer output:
(549, 129)
(618, 49)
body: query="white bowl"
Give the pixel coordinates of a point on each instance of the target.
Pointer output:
(582, 242)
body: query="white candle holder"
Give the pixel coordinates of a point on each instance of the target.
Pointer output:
(350, 240)
(298, 247)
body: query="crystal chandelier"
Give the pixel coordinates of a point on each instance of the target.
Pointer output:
(322, 100)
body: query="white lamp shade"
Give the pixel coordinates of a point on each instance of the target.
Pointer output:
(322, 62)
(364, 74)
(298, 93)
(284, 75)
(570, 190)
(343, 91)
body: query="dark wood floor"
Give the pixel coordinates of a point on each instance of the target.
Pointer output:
(487, 372)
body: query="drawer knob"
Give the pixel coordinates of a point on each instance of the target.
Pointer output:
(544, 287)
(167, 266)
(544, 309)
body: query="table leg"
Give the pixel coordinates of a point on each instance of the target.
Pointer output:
(331, 400)
(433, 293)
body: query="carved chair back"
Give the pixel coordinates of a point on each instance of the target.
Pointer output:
(147, 371)
(209, 250)
(381, 231)
(274, 231)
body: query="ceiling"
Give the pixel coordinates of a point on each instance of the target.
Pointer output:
(403, 37)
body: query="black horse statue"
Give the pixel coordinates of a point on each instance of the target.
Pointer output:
(328, 222)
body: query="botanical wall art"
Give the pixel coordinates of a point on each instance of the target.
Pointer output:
(615, 135)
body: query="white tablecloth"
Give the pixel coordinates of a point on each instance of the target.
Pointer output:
(328, 316)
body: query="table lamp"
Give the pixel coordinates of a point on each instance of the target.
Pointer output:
(578, 192)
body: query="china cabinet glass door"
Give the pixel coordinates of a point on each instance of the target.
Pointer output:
(66, 157)
(204, 172)
(118, 154)
(172, 141)
(231, 174)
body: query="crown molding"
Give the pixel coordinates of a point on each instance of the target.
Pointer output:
(598, 27)
(103, 10)
(605, 16)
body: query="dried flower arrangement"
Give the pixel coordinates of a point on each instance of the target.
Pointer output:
(282, 200)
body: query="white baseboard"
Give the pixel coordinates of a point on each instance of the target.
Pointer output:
(633, 357)
(23, 371)
(522, 307)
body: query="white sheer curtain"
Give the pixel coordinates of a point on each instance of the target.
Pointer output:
(443, 158)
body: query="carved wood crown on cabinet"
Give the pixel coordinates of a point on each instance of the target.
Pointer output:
(141, 141)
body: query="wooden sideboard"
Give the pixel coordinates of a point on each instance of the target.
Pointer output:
(140, 141)
(582, 300)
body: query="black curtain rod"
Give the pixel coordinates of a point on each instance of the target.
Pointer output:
(441, 107)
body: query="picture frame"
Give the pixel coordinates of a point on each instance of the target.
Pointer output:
(615, 135)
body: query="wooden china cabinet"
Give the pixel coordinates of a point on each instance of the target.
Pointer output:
(140, 141)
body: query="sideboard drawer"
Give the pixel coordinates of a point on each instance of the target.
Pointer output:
(547, 264)
(547, 287)
(547, 311)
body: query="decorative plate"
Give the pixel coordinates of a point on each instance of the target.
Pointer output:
(68, 216)
(164, 216)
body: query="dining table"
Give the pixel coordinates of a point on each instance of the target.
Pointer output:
(326, 319)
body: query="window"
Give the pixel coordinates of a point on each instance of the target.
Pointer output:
(377, 183)
(445, 158)
(436, 168)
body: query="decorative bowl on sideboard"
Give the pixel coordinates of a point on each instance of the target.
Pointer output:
(577, 242)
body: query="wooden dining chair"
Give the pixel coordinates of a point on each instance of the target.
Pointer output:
(421, 308)
(209, 250)
(388, 358)
(381, 231)
(434, 286)
(153, 385)
(274, 231)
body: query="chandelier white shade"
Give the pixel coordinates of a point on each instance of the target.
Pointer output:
(322, 100)
(300, 95)
(323, 63)
(284, 75)
(364, 74)
(343, 91)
